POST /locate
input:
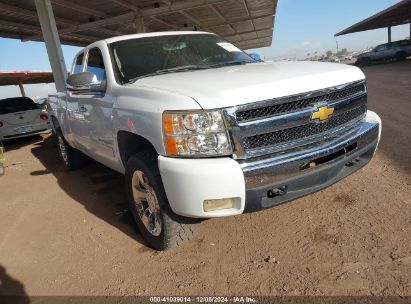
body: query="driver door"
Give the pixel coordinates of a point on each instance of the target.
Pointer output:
(97, 108)
(78, 130)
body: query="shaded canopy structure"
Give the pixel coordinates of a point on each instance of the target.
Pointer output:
(397, 14)
(247, 23)
(25, 77)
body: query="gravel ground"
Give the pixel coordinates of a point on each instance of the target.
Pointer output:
(69, 234)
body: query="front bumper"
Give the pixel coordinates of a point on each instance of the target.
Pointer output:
(286, 177)
(266, 182)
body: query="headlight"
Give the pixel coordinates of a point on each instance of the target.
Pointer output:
(201, 133)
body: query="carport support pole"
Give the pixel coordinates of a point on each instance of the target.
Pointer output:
(52, 40)
(23, 93)
(139, 25)
(389, 34)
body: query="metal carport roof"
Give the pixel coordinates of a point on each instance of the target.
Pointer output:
(397, 14)
(247, 23)
(25, 77)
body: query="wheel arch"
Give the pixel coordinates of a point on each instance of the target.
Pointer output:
(54, 123)
(54, 120)
(130, 144)
(401, 54)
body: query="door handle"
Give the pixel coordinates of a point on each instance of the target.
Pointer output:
(82, 109)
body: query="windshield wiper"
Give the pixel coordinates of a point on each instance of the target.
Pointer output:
(228, 63)
(190, 68)
(172, 70)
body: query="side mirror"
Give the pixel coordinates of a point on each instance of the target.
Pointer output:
(256, 57)
(85, 82)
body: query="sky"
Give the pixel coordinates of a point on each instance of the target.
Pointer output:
(301, 27)
(308, 26)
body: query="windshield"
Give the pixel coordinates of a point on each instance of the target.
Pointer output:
(143, 57)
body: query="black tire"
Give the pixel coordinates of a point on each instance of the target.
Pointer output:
(73, 158)
(175, 229)
(401, 56)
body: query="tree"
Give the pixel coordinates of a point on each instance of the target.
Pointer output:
(329, 53)
(344, 51)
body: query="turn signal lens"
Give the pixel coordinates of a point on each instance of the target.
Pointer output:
(1, 124)
(171, 145)
(43, 116)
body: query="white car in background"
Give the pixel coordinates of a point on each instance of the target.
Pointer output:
(20, 117)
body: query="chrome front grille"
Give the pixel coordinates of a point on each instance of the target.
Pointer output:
(265, 127)
(293, 103)
(304, 131)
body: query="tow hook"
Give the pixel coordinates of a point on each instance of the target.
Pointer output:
(349, 164)
(280, 191)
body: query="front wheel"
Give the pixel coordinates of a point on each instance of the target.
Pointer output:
(401, 56)
(148, 203)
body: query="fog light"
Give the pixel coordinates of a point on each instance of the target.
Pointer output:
(218, 204)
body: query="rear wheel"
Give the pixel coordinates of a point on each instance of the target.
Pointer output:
(148, 203)
(72, 158)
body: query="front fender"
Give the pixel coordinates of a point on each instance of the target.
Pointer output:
(140, 111)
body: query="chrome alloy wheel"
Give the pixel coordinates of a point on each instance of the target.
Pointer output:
(146, 203)
(63, 149)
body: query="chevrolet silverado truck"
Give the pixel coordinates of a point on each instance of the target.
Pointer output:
(202, 130)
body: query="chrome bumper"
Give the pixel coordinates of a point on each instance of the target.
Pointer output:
(277, 179)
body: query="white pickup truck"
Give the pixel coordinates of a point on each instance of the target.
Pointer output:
(202, 130)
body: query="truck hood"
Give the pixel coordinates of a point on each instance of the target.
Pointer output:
(237, 85)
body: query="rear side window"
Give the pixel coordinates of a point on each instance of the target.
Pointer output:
(78, 66)
(17, 104)
(381, 48)
(404, 42)
(95, 64)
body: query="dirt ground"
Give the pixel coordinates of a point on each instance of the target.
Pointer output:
(69, 234)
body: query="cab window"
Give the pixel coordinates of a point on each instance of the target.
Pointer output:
(95, 64)
(78, 65)
(381, 48)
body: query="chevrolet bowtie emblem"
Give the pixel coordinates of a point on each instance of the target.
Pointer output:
(322, 113)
